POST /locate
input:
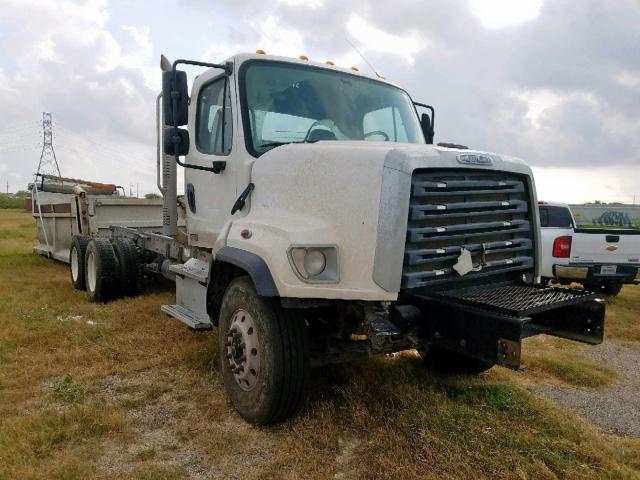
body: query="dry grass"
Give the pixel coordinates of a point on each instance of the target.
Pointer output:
(120, 391)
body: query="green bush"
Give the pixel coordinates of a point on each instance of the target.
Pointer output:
(8, 201)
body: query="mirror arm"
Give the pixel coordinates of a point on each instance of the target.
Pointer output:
(217, 166)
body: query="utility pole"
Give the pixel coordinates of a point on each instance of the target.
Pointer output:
(48, 164)
(7, 187)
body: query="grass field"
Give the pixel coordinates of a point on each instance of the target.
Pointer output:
(121, 391)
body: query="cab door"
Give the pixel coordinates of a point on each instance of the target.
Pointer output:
(209, 196)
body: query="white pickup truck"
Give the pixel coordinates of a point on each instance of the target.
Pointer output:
(601, 259)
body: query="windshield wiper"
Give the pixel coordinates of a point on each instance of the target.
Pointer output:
(277, 144)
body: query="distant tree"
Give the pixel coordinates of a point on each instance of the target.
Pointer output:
(23, 193)
(152, 196)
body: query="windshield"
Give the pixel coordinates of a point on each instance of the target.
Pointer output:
(286, 103)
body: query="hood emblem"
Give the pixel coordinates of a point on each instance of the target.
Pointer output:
(475, 159)
(612, 248)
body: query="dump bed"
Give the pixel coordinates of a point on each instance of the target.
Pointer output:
(59, 216)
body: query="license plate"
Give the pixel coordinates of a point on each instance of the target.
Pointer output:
(608, 270)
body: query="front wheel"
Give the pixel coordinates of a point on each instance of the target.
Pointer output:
(453, 363)
(264, 355)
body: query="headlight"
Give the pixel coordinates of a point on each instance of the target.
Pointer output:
(315, 264)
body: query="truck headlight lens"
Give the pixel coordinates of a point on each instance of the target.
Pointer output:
(315, 263)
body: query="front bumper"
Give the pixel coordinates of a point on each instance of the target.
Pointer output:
(490, 322)
(591, 273)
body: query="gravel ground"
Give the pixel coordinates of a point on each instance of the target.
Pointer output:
(615, 409)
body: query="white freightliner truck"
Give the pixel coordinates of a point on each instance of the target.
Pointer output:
(322, 224)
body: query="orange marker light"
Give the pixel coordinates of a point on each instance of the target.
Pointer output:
(355, 69)
(303, 57)
(329, 62)
(260, 52)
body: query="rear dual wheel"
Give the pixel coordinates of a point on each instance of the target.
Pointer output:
(101, 267)
(77, 253)
(109, 267)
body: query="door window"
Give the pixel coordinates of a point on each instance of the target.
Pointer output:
(214, 120)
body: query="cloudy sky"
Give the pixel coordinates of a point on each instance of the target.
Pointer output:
(556, 82)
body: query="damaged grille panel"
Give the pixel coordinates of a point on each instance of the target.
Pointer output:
(484, 212)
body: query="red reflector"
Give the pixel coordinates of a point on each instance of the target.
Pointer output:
(562, 247)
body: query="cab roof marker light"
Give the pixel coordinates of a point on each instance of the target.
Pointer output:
(303, 57)
(329, 62)
(355, 69)
(260, 52)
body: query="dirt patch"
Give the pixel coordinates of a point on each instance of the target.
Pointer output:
(615, 409)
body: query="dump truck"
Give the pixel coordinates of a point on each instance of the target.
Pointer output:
(320, 223)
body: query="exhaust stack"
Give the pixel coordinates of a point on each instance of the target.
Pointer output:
(166, 168)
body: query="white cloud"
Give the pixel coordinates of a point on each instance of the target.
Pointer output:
(505, 13)
(370, 38)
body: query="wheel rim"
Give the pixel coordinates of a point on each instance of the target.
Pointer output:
(242, 349)
(91, 271)
(74, 264)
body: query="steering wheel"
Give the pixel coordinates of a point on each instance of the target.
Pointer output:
(377, 132)
(322, 122)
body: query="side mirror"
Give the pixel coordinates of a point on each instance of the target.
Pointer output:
(175, 141)
(427, 128)
(178, 92)
(427, 122)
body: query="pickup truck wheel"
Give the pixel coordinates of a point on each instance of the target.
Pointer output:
(130, 271)
(76, 260)
(264, 355)
(611, 289)
(101, 277)
(453, 363)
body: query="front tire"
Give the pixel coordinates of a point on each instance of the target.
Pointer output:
(264, 355)
(453, 363)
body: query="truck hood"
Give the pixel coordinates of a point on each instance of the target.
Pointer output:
(403, 156)
(352, 195)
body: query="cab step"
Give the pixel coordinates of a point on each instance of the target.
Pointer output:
(187, 317)
(191, 294)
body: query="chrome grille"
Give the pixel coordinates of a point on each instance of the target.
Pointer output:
(487, 213)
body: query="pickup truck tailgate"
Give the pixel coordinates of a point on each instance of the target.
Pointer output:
(608, 246)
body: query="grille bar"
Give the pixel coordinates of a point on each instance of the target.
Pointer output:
(476, 209)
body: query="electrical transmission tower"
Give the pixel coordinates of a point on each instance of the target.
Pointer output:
(48, 163)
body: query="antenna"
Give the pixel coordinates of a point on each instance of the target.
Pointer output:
(48, 164)
(362, 56)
